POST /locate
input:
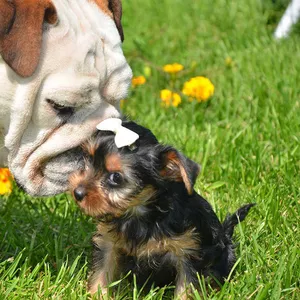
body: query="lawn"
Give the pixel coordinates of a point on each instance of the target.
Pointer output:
(246, 137)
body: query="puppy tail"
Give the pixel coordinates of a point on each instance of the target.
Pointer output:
(232, 220)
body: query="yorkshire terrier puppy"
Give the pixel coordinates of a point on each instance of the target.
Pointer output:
(151, 221)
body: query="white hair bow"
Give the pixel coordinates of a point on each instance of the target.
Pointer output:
(124, 136)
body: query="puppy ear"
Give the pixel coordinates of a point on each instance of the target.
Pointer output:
(177, 167)
(21, 28)
(116, 8)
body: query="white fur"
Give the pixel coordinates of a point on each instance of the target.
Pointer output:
(82, 65)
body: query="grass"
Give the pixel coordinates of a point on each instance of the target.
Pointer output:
(246, 139)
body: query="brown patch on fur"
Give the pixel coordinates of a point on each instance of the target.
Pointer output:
(187, 244)
(6, 13)
(142, 198)
(174, 170)
(21, 32)
(104, 6)
(186, 180)
(113, 163)
(180, 246)
(90, 146)
(113, 8)
(94, 203)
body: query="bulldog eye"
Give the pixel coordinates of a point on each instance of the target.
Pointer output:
(115, 179)
(61, 110)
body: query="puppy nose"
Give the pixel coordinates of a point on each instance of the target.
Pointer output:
(79, 193)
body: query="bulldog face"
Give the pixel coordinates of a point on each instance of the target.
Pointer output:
(64, 72)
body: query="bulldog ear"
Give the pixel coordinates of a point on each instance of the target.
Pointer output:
(116, 8)
(21, 29)
(177, 167)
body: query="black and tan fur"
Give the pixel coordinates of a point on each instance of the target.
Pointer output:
(151, 221)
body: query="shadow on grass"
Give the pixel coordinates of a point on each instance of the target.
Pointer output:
(274, 9)
(52, 227)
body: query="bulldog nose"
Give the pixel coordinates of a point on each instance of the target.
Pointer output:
(79, 193)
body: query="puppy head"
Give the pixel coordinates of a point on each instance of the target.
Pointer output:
(123, 181)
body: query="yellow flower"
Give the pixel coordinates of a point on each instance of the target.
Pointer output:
(173, 68)
(139, 80)
(5, 181)
(169, 98)
(200, 88)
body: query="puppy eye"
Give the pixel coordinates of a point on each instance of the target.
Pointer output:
(115, 178)
(61, 110)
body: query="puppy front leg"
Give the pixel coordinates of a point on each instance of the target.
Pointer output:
(186, 275)
(104, 267)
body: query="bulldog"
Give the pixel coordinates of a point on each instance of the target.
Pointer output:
(62, 72)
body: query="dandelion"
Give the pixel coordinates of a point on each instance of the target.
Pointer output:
(169, 98)
(5, 181)
(139, 80)
(200, 88)
(173, 68)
